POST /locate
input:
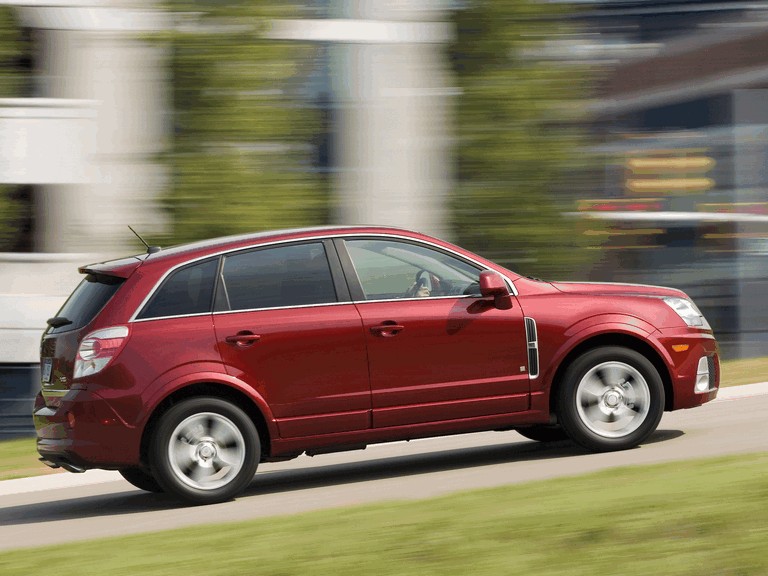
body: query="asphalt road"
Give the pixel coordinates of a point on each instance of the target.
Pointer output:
(37, 512)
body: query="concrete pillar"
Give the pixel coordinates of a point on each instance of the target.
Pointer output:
(394, 129)
(98, 54)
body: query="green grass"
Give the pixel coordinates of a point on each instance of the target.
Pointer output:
(692, 518)
(18, 458)
(746, 371)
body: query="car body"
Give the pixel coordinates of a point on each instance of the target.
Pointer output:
(184, 368)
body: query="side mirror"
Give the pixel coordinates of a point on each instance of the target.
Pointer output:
(492, 284)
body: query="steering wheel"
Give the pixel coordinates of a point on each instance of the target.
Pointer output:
(424, 281)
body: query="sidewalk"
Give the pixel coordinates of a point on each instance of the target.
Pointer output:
(69, 480)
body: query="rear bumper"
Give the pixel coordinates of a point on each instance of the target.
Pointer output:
(83, 431)
(683, 349)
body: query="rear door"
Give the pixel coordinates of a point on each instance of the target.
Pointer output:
(286, 326)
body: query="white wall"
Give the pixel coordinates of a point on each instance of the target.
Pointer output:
(32, 289)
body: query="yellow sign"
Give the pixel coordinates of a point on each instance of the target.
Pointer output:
(669, 185)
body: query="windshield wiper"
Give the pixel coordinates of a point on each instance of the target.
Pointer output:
(58, 321)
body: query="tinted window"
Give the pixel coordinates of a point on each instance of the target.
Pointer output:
(389, 269)
(90, 296)
(188, 290)
(282, 276)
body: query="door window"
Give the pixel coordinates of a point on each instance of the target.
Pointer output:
(294, 275)
(389, 270)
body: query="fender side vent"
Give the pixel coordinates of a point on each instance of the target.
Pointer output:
(532, 339)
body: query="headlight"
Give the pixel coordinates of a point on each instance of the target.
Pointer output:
(688, 312)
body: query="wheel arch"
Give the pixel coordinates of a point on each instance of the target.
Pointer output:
(215, 390)
(613, 339)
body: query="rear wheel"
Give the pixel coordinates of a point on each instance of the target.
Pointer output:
(543, 433)
(205, 450)
(141, 479)
(612, 398)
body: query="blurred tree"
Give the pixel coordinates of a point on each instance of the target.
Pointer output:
(12, 81)
(521, 155)
(241, 149)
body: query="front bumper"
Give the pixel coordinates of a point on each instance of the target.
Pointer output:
(81, 431)
(683, 349)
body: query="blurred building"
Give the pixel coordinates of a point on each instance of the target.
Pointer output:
(682, 113)
(79, 148)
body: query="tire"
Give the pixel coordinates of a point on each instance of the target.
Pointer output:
(141, 479)
(204, 450)
(612, 398)
(543, 433)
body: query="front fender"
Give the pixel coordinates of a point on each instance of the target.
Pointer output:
(599, 326)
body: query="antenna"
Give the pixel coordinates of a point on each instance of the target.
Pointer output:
(150, 249)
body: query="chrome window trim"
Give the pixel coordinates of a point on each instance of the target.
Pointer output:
(139, 320)
(418, 299)
(320, 238)
(297, 306)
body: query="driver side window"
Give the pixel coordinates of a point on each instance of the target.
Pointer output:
(390, 270)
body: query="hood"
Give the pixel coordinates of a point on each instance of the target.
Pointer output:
(616, 289)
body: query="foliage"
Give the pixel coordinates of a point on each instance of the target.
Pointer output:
(242, 145)
(11, 52)
(11, 84)
(520, 153)
(19, 459)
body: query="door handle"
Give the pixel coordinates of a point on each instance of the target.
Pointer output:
(243, 338)
(387, 329)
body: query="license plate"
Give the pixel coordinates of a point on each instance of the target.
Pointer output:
(46, 369)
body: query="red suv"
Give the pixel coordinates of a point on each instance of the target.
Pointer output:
(184, 368)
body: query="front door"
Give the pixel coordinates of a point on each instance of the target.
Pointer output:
(437, 351)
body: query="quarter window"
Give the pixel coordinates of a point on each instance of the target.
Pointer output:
(296, 275)
(189, 290)
(389, 270)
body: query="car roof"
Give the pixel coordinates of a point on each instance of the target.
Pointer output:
(224, 243)
(123, 267)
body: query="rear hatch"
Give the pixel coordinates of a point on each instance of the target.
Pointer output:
(71, 324)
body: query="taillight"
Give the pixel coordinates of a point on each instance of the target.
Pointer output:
(98, 348)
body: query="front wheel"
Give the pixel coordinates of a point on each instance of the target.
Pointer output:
(205, 450)
(612, 398)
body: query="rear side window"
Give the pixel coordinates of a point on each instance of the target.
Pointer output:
(188, 290)
(90, 296)
(296, 275)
